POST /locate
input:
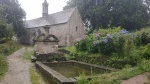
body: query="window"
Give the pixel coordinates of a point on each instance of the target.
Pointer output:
(76, 28)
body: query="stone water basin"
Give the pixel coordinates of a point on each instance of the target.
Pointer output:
(67, 72)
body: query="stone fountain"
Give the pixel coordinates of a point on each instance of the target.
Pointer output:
(46, 45)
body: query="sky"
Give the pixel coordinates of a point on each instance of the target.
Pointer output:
(33, 8)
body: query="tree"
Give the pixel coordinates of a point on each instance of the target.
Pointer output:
(6, 30)
(14, 15)
(129, 14)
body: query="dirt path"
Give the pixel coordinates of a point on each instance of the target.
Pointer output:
(18, 70)
(140, 79)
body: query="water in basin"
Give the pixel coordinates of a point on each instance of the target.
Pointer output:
(70, 71)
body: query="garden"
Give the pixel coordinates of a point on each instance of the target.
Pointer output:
(118, 48)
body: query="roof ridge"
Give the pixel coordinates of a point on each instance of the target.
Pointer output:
(63, 11)
(53, 13)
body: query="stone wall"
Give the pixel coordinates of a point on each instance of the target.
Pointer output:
(75, 25)
(46, 47)
(67, 32)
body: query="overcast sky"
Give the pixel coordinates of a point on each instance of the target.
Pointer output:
(33, 8)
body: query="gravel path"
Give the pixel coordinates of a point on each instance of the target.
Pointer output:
(140, 79)
(18, 70)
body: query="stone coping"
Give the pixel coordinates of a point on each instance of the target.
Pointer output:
(87, 64)
(97, 66)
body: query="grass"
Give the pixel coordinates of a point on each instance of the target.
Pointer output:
(27, 54)
(9, 47)
(5, 50)
(34, 76)
(71, 49)
(3, 66)
(126, 73)
(148, 76)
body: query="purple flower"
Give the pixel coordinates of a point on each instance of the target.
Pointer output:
(106, 40)
(124, 31)
(97, 37)
(94, 43)
(107, 36)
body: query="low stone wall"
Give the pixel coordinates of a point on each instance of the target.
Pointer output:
(40, 57)
(52, 76)
(92, 66)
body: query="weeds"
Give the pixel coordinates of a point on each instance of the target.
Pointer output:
(28, 54)
(34, 76)
(5, 50)
(3, 66)
(116, 77)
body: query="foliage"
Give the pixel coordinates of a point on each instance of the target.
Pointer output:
(144, 65)
(129, 14)
(9, 47)
(116, 48)
(142, 37)
(6, 30)
(146, 51)
(13, 14)
(103, 42)
(69, 52)
(82, 79)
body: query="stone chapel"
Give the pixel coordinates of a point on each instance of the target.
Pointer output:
(66, 25)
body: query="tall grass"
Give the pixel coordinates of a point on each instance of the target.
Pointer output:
(3, 66)
(5, 50)
(28, 54)
(34, 76)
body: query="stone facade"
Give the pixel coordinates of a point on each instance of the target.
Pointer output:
(66, 25)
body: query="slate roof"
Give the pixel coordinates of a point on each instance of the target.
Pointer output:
(51, 19)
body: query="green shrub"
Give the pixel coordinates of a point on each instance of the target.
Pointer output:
(117, 48)
(82, 79)
(6, 30)
(9, 47)
(144, 65)
(146, 51)
(142, 37)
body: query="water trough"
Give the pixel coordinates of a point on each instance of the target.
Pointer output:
(61, 72)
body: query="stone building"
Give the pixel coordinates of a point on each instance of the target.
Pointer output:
(66, 25)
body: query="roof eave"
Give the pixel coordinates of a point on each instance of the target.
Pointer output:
(47, 25)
